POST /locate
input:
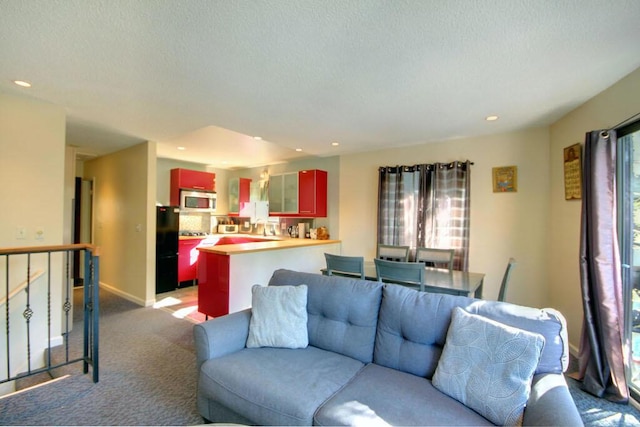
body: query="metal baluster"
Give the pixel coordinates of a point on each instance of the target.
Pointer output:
(95, 275)
(28, 313)
(66, 307)
(49, 311)
(7, 318)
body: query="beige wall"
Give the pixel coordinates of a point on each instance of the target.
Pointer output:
(32, 159)
(502, 225)
(605, 110)
(32, 166)
(124, 220)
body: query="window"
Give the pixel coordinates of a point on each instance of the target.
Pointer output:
(426, 205)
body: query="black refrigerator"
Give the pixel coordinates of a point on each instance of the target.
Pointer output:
(167, 228)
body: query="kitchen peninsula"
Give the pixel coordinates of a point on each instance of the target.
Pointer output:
(226, 273)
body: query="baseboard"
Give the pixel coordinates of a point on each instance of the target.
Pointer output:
(573, 350)
(126, 295)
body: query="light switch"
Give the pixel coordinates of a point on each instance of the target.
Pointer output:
(21, 233)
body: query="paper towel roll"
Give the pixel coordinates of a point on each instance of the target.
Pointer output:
(302, 230)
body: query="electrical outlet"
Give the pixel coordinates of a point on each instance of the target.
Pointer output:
(39, 233)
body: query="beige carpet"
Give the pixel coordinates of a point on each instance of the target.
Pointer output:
(181, 303)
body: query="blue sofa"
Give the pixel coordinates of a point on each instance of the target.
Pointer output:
(372, 354)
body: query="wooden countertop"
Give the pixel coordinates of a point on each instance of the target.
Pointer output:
(264, 246)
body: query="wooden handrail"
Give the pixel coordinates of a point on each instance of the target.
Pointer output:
(22, 286)
(56, 248)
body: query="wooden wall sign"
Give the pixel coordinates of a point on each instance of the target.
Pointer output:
(573, 172)
(505, 179)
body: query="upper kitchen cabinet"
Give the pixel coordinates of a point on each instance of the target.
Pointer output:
(239, 194)
(192, 180)
(300, 194)
(312, 193)
(283, 194)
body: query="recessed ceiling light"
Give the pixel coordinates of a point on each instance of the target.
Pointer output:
(491, 118)
(182, 148)
(335, 143)
(298, 149)
(257, 138)
(22, 83)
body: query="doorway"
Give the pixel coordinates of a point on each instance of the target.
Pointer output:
(82, 224)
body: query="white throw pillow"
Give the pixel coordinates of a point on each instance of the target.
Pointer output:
(488, 366)
(278, 317)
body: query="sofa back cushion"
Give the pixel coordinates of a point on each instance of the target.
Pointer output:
(342, 312)
(413, 325)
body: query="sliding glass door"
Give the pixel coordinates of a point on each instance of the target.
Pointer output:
(628, 183)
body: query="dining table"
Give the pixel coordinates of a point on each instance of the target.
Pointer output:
(442, 280)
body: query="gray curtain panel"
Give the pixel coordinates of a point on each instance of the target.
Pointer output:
(426, 205)
(601, 356)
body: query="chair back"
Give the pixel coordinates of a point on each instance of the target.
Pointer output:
(393, 253)
(432, 257)
(339, 265)
(505, 279)
(403, 273)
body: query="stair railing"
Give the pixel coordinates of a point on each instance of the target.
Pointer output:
(19, 339)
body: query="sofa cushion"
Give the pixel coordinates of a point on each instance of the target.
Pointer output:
(488, 366)
(413, 327)
(547, 322)
(380, 396)
(276, 386)
(342, 312)
(278, 317)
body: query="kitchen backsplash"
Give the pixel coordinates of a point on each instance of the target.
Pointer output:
(196, 221)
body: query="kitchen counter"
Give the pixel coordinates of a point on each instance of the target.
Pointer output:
(226, 273)
(269, 243)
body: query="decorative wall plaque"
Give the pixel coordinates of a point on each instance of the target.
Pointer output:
(505, 179)
(573, 172)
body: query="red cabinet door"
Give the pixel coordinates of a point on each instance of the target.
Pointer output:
(312, 193)
(190, 179)
(188, 259)
(213, 284)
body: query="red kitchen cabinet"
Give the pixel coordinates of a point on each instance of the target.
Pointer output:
(213, 285)
(312, 193)
(239, 194)
(190, 179)
(188, 259)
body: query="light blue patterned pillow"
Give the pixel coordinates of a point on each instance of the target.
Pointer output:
(488, 366)
(278, 317)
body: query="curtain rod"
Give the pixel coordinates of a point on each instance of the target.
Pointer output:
(624, 122)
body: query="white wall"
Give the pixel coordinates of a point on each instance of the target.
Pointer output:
(605, 110)
(502, 225)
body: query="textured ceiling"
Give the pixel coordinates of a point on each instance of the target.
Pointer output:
(369, 74)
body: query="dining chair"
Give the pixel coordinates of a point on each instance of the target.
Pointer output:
(505, 279)
(340, 265)
(432, 257)
(403, 273)
(393, 253)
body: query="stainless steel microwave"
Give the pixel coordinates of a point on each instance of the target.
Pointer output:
(198, 201)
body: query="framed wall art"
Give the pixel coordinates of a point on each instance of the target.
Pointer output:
(505, 179)
(573, 172)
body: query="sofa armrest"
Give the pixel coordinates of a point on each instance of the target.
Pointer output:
(550, 403)
(221, 336)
